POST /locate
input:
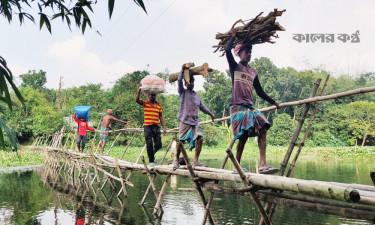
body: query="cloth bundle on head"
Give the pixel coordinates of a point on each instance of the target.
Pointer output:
(152, 84)
(237, 49)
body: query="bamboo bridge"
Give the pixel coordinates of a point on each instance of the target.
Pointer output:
(347, 200)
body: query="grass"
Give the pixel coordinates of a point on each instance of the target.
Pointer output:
(251, 150)
(24, 157)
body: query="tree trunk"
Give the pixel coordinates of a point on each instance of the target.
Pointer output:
(364, 140)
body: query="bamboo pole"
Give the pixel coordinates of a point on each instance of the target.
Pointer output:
(131, 140)
(161, 162)
(114, 141)
(322, 208)
(136, 161)
(196, 183)
(292, 165)
(252, 192)
(120, 175)
(298, 129)
(304, 101)
(293, 142)
(314, 188)
(156, 193)
(161, 194)
(206, 210)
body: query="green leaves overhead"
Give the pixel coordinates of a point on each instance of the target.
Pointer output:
(6, 75)
(5, 78)
(66, 10)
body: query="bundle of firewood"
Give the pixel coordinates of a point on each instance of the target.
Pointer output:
(259, 30)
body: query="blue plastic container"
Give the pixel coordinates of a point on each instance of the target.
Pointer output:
(82, 111)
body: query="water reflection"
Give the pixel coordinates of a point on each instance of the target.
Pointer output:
(44, 197)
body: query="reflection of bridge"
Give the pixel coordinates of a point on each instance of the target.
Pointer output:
(347, 200)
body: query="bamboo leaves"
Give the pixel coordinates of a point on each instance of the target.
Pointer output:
(58, 8)
(6, 77)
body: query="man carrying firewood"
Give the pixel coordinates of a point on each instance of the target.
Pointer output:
(245, 119)
(189, 129)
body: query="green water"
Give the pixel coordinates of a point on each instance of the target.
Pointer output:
(26, 198)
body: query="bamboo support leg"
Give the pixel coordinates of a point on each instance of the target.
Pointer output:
(196, 183)
(113, 143)
(206, 210)
(312, 117)
(298, 129)
(161, 194)
(121, 213)
(136, 161)
(156, 193)
(252, 193)
(131, 140)
(122, 181)
(293, 141)
(67, 139)
(161, 162)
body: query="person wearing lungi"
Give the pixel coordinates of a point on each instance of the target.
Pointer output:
(189, 129)
(245, 119)
(106, 127)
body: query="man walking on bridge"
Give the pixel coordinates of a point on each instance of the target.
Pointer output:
(189, 129)
(153, 113)
(245, 119)
(106, 127)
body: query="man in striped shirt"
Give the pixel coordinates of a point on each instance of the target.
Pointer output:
(153, 113)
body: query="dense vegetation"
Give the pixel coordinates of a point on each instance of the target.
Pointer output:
(340, 122)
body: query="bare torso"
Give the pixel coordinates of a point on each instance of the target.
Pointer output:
(107, 120)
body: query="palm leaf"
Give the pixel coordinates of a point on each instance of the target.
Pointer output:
(11, 136)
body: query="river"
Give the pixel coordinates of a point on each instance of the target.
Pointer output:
(30, 197)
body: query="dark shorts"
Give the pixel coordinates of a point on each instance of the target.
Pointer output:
(104, 133)
(82, 139)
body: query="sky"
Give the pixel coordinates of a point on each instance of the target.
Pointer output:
(174, 32)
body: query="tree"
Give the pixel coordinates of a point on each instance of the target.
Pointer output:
(66, 10)
(361, 119)
(281, 130)
(218, 87)
(34, 79)
(38, 117)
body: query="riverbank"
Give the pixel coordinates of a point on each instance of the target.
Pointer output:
(25, 156)
(251, 150)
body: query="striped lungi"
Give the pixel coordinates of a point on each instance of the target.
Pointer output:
(247, 120)
(190, 133)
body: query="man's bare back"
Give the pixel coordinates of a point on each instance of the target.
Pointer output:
(107, 120)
